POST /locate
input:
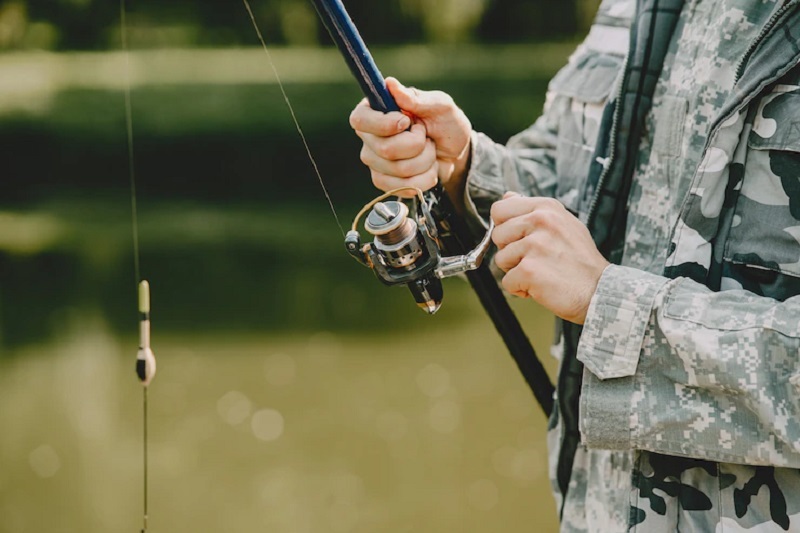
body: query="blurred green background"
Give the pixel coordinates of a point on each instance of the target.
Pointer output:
(294, 393)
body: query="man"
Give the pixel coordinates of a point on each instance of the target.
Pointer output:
(656, 202)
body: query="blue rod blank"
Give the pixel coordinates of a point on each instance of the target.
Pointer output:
(345, 34)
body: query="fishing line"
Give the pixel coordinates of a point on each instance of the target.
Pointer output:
(144, 435)
(145, 366)
(291, 111)
(129, 128)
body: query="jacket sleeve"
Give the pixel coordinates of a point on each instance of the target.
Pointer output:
(675, 368)
(525, 165)
(552, 156)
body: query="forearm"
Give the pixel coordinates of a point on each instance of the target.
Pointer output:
(675, 368)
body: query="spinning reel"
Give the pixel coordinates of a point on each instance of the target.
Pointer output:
(406, 247)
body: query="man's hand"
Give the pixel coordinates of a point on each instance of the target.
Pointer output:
(435, 148)
(547, 254)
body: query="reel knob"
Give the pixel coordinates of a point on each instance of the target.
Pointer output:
(397, 238)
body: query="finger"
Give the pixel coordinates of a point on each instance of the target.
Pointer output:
(365, 119)
(419, 103)
(405, 145)
(511, 231)
(515, 206)
(517, 281)
(510, 256)
(404, 168)
(422, 181)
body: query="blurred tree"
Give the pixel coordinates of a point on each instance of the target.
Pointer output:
(13, 20)
(94, 24)
(388, 23)
(81, 24)
(448, 20)
(524, 20)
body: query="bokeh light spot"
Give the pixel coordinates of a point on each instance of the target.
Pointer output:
(391, 426)
(502, 461)
(517, 404)
(280, 369)
(234, 407)
(527, 465)
(44, 461)
(343, 516)
(433, 380)
(267, 425)
(483, 494)
(445, 416)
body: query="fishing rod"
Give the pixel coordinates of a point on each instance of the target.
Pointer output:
(410, 248)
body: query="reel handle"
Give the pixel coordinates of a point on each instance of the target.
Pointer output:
(450, 266)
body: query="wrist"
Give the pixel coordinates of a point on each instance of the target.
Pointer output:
(589, 292)
(456, 184)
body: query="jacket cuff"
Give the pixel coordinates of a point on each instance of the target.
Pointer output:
(616, 321)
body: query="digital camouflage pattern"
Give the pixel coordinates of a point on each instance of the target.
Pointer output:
(690, 407)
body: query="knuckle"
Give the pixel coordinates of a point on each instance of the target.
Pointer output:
(550, 202)
(376, 179)
(500, 260)
(379, 181)
(404, 169)
(533, 242)
(387, 150)
(429, 149)
(497, 239)
(408, 168)
(540, 218)
(528, 266)
(430, 179)
(355, 120)
(532, 219)
(423, 181)
(442, 99)
(365, 155)
(420, 137)
(534, 293)
(495, 211)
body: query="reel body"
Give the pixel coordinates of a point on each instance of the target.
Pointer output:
(406, 249)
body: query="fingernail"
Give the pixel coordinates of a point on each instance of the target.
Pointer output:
(403, 124)
(511, 194)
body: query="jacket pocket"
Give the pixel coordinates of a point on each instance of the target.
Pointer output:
(582, 89)
(762, 253)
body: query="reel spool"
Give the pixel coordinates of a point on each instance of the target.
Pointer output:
(405, 249)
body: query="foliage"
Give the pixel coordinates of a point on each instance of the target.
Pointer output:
(94, 24)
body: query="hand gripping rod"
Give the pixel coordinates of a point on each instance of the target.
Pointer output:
(458, 240)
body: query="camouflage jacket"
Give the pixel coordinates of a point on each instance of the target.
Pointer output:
(674, 133)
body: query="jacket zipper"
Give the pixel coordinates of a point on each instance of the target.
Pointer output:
(787, 6)
(612, 145)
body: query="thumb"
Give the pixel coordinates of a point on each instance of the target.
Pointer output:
(416, 102)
